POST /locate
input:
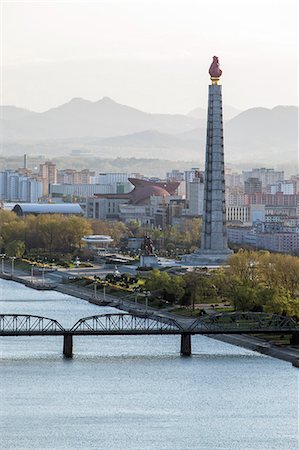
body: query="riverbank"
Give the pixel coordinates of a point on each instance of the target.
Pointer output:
(288, 353)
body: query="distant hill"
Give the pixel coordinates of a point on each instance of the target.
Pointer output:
(257, 136)
(264, 135)
(80, 118)
(228, 113)
(277, 126)
(150, 144)
(10, 112)
(198, 113)
(148, 138)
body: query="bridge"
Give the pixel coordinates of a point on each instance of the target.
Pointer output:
(149, 324)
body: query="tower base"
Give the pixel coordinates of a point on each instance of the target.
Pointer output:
(148, 261)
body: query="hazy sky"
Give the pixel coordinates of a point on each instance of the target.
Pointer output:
(150, 54)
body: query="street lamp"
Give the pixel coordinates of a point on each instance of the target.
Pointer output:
(77, 263)
(95, 285)
(43, 274)
(104, 290)
(136, 290)
(32, 268)
(2, 262)
(147, 293)
(12, 264)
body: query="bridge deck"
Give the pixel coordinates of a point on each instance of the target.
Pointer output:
(146, 332)
(148, 324)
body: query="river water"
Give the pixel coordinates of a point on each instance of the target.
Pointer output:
(137, 393)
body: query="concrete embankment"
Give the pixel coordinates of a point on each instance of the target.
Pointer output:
(289, 353)
(26, 280)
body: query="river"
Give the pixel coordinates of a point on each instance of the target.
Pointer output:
(137, 392)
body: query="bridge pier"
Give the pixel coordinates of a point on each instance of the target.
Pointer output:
(186, 344)
(68, 345)
(295, 338)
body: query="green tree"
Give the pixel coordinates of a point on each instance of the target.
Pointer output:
(73, 229)
(15, 248)
(157, 280)
(13, 230)
(244, 266)
(190, 233)
(134, 229)
(117, 230)
(172, 287)
(32, 232)
(176, 287)
(49, 231)
(199, 288)
(6, 217)
(265, 280)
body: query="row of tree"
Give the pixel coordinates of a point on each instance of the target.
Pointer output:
(264, 280)
(49, 232)
(253, 281)
(57, 233)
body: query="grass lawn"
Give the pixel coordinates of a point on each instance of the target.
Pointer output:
(277, 339)
(22, 265)
(186, 312)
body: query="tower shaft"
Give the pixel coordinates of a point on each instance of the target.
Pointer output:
(214, 235)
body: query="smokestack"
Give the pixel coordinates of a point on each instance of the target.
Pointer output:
(25, 161)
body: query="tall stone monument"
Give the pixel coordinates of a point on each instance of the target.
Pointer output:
(214, 248)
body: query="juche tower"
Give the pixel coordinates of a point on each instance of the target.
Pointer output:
(214, 247)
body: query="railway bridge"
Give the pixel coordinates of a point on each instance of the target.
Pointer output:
(149, 324)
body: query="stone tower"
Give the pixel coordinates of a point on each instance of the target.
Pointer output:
(214, 235)
(214, 248)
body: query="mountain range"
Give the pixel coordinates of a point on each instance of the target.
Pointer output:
(105, 127)
(79, 118)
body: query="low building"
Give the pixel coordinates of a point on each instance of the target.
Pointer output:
(238, 214)
(24, 209)
(279, 242)
(79, 190)
(241, 235)
(97, 242)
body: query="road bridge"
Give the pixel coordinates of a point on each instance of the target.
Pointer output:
(149, 324)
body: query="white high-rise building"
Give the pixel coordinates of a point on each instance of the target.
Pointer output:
(196, 194)
(15, 187)
(119, 182)
(189, 177)
(266, 176)
(286, 187)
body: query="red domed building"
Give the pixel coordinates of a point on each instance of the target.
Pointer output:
(145, 203)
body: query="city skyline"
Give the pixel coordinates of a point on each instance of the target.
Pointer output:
(146, 218)
(151, 55)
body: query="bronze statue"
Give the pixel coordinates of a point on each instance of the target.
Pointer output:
(148, 245)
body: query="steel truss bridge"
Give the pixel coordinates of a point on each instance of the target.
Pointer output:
(149, 324)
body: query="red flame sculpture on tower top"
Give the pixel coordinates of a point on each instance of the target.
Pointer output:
(215, 70)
